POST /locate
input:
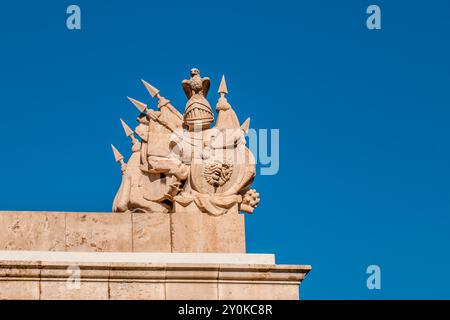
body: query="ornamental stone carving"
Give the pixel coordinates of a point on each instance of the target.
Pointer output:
(180, 163)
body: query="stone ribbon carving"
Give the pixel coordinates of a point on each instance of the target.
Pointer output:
(179, 163)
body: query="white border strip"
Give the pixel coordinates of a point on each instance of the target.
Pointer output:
(137, 257)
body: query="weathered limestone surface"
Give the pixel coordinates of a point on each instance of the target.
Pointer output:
(137, 281)
(151, 232)
(199, 232)
(122, 232)
(17, 289)
(25, 230)
(102, 280)
(98, 232)
(18, 281)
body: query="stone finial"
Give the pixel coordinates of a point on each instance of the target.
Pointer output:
(155, 93)
(151, 89)
(128, 131)
(246, 125)
(226, 117)
(117, 155)
(222, 104)
(119, 158)
(223, 90)
(142, 107)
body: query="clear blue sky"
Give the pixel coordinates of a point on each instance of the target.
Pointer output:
(363, 117)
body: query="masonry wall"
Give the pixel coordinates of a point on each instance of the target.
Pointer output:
(122, 232)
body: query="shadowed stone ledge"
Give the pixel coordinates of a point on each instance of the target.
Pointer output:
(34, 279)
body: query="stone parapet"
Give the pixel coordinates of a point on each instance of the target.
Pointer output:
(122, 232)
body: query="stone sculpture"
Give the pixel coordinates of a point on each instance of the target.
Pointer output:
(180, 164)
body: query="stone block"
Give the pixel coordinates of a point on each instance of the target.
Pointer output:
(192, 281)
(133, 290)
(201, 232)
(74, 281)
(17, 289)
(106, 232)
(19, 280)
(191, 290)
(257, 291)
(60, 290)
(260, 282)
(40, 231)
(151, 232)
(137, 281)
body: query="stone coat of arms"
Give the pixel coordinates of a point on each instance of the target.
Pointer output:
(186, 162)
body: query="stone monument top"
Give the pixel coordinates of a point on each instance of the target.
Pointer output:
(176, 231)
(179, 163)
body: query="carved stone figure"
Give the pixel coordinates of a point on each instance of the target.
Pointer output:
(197, 111)
(181, 164)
